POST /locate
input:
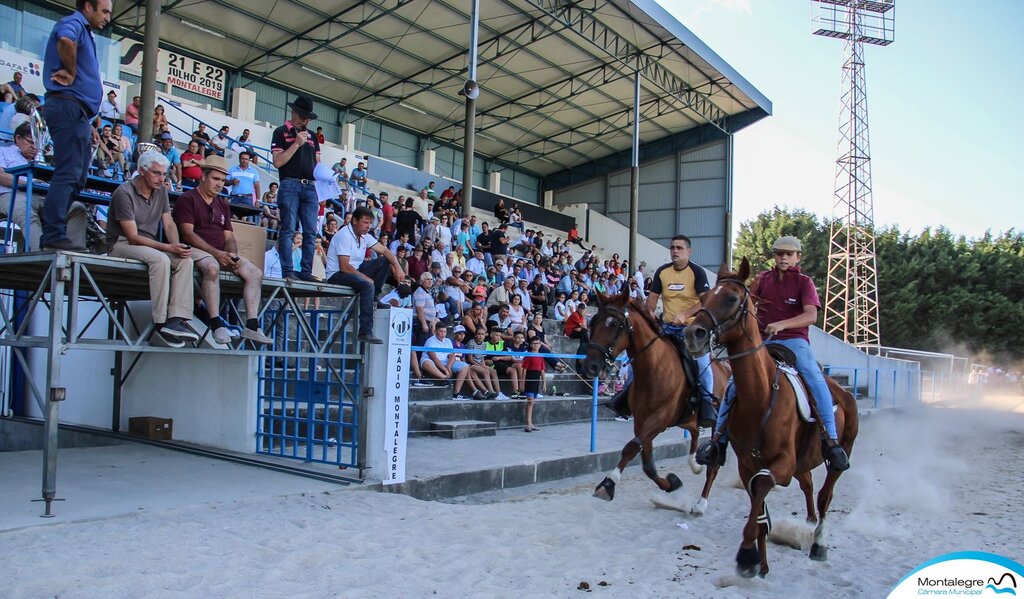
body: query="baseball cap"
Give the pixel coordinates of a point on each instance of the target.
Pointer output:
(786, 243)
(166, 135)
(458, 329)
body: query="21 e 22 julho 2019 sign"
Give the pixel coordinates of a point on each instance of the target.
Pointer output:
(195, 76)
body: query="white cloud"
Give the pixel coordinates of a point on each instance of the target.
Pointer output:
(740, 6)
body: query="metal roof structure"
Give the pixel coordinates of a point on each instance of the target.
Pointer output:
(556, 76)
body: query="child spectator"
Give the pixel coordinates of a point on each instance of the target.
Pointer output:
(486, 378)
(519, 346)
(502, 365)
(534, 371)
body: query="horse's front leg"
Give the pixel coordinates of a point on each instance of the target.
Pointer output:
(759, 484)
(606, 490)
(669, 483)
(694, 441)
(807, 487)
(701, 506)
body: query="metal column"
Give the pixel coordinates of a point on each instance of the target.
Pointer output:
(634, 176)
(54, 391)
(471, 91)
(151, 46)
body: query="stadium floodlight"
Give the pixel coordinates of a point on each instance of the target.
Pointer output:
(412, 108)
(201, 28)
(318, 73)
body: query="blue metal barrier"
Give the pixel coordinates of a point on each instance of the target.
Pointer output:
(309, 408)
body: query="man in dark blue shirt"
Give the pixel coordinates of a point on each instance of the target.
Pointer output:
(71, 74)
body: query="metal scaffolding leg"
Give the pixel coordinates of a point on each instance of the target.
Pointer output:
(54, 392)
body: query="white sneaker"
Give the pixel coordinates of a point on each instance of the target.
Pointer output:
(221, 335)
(502, 397)
(540, 396)
(460, 397)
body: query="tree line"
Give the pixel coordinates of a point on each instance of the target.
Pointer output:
(936, 290)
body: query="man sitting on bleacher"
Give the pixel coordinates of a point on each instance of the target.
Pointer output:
(137, 210)
(21, 152)
(205, 222)
(347, 265)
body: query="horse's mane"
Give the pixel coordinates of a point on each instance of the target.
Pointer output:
(627, 302)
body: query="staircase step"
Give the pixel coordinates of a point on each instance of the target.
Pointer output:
(438, 392)
(504, 414)
(463, 429)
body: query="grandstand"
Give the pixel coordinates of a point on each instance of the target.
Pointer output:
(553, 136)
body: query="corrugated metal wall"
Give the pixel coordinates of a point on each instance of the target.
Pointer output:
(687, 193)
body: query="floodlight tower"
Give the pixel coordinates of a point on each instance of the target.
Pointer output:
(851, 293)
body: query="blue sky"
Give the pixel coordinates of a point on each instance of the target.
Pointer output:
(946, 148)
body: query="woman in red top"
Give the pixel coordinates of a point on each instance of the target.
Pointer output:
(574, 236)
(191, 165)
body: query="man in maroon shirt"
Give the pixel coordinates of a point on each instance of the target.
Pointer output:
(787, 305)
(204, 219)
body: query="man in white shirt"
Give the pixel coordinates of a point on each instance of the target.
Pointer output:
(438, 364)
(109, 109)
(476, 264)
(347, 265)
(639, 277)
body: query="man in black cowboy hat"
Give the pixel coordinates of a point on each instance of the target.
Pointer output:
(296, 153)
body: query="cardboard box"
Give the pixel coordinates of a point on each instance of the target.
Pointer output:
(151, 427)
(252, 241)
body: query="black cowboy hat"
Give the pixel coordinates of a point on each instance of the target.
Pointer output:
(303, 106)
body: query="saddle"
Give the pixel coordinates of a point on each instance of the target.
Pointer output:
(785, 361)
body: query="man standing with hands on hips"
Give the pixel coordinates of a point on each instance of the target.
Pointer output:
(71, 74)
(296, 153)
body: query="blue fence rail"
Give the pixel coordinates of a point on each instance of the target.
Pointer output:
(594, 386)
(884, 387)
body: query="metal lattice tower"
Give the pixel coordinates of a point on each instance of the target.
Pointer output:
(851, 293)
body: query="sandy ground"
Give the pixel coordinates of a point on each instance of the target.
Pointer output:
(923, 483)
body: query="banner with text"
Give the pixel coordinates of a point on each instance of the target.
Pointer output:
(176, 69)
(396, 412)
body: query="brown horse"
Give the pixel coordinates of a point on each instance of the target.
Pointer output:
(659, 394)
(772, 444)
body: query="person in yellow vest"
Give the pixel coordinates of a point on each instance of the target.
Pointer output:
(678, 284)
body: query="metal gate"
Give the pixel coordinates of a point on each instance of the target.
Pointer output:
(310, 386)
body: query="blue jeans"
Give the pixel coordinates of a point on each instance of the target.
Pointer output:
(815, 381)
(377, 269)
(705, 377)
(297, 202)
(71, 131)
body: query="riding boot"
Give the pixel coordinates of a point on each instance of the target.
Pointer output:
(713, 451)
(836, 459)
(619, 403)
(708, 414)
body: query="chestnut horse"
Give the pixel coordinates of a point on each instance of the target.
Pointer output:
(772, 444)
(659, 394)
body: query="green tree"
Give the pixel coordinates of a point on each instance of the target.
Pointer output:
(936, 290)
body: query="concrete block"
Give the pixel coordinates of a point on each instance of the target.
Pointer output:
(463, 429)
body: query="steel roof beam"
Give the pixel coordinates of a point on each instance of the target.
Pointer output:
(614, 45)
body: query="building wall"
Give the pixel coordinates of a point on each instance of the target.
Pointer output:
(685, 193)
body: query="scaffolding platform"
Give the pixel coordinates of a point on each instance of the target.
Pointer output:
(305, 387)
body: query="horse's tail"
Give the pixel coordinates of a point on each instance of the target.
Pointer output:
(851, 418)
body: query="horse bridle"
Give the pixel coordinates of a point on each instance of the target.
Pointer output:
(738, 317)
(624, 325)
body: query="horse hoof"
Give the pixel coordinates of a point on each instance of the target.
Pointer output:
(699, 508)
(673, 482)
(763, 572)
(745, 571)
(747, 560)
(819, 553)
(605, 490)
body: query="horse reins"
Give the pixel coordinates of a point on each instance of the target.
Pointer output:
(626, 325)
